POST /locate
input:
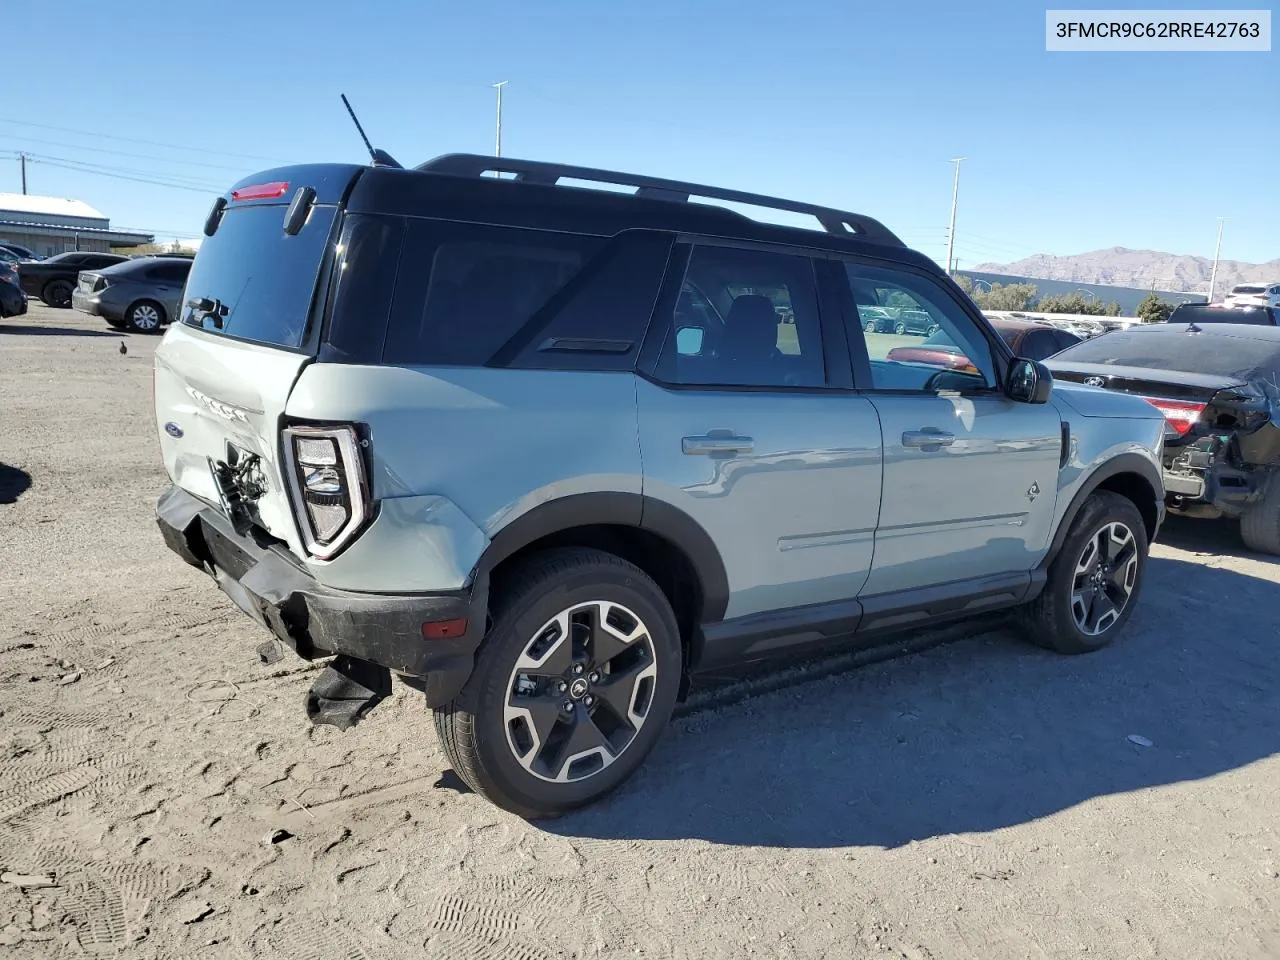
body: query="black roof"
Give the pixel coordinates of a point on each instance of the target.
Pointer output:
(1248, 331)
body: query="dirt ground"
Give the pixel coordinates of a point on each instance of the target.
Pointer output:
(979, 800)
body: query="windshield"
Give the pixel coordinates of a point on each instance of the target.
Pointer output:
(261, 278)
(1241, 356)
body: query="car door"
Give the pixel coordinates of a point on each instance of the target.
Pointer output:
(970, 476)
(749, 426)
(168, 280)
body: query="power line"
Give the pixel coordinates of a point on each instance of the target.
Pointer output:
(150, 181)
(124, 153)
(149, 143)
(202, 182)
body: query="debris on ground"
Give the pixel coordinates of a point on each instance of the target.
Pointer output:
(28, 879)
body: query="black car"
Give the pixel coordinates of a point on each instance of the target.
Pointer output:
(1218, 385)
(142, 295)
(15, 251)
(53, 280)
(1216, 313)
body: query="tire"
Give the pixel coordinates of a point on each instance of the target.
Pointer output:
(900, 328)
(869, 326)
(931, 331)
(1260, 525)
(56, 293)
(145, 316)
(513, 755)
(1053, 620)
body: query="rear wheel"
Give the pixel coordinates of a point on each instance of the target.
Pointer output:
(869, 326)
(145, 316)
(1093, 582)
(1260, 525)
(572, 686)
(900, 328)
(56, 293)
(933, 328)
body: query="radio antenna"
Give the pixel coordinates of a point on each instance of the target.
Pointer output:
(380, 157)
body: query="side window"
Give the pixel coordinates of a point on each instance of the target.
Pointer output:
(1039, 344)
(914, 331)
(745, 318)
(463, 290)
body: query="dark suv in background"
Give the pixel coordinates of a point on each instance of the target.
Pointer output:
(142, 295)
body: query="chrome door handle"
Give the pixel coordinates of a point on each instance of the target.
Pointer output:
(927, 437)
(717, 445)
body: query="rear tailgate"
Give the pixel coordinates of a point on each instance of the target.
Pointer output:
(223, 374)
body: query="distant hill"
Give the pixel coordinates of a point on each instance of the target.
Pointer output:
(1139, 268)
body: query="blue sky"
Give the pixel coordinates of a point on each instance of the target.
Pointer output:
(856, 105)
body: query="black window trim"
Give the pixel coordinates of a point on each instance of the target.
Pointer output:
(860, 359)
(839, 379)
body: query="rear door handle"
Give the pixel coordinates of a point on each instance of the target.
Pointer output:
(927, 437)
(717, 444)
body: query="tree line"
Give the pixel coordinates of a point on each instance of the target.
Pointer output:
(1026, 296)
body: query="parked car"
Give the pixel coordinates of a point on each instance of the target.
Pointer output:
(1199, 313)
(1254, 295)
(915, 321)
(142, 295)
(18, 250)
(1034, 341)
(1218, 386)
(476, 431)
(13, 302)
(875, 319)
(53, 280)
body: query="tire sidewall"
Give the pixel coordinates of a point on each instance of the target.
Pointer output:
(1102, 507)
(485, 694)
(145, 303)
(47, 295)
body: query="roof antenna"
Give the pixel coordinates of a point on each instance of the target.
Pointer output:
(380, 157)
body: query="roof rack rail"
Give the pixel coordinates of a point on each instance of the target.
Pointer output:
(657, 188)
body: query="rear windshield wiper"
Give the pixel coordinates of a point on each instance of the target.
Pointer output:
(209, 308)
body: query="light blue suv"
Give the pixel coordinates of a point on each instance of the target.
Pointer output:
(546, 452)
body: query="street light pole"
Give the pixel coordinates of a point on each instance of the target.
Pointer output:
(951, 231)
(1213, 275)
(497, 146)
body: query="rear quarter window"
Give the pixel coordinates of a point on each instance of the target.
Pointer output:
(464, 290)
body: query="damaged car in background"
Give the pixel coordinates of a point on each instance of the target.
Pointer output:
(1218, 385)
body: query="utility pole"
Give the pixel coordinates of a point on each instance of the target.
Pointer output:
(22, 161)
(497, 146)
(1213, 276)
(951, 231)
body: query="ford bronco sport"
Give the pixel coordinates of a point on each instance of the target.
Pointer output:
(547, 451)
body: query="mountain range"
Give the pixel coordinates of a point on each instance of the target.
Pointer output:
(1120, 266)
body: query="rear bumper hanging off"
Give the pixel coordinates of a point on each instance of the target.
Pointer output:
(264, 581)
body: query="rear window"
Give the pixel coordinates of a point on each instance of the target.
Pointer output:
(1165, 349)
(263, 278)
(1248, 289)
(1189, 313)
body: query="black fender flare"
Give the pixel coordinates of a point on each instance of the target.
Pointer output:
(1131, 463)
(618, 509)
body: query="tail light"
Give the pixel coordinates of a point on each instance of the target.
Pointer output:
(330, 494)
(1180, 414)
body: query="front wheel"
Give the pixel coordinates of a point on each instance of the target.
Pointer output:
(900, 328)
(572, 687)
(869, 326)
(1093, 582)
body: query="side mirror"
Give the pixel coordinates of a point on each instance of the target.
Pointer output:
(689, 341)
(1029, 381)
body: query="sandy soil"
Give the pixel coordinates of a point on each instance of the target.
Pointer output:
(978, 800)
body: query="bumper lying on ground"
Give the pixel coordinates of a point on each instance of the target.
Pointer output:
(316, 620)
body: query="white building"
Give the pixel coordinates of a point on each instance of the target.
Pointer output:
(49, 225)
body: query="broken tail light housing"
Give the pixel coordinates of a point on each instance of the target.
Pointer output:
(1181, 415)
(330, 492)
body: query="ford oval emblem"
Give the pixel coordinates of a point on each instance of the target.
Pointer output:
(173, 430)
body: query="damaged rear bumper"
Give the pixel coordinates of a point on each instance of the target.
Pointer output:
(264, 581)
